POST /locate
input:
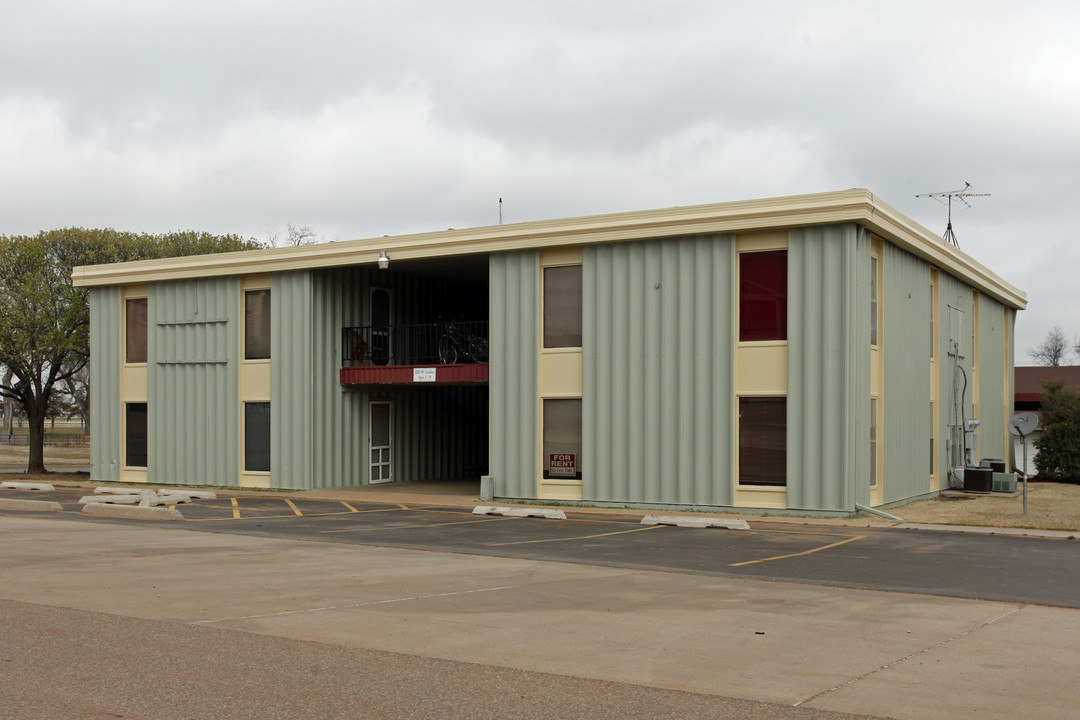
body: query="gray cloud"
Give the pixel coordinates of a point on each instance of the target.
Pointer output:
(364, 119)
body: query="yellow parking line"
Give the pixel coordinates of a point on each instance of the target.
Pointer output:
(349, 506)
(295, 509)
(235, 509)
(422, 525)
(581, 537)
(804, 552)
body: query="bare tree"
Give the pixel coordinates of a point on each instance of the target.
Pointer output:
(295, 236)
(1053, 351)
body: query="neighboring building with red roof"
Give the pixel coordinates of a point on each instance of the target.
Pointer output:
(1030, 383)
(1029, 388)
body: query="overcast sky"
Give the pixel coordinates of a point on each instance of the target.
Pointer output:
(362, 119)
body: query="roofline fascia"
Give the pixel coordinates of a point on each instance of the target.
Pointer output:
(857, 206)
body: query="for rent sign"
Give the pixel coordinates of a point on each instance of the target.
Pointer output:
(562, 464)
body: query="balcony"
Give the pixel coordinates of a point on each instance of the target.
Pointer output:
(444, 352)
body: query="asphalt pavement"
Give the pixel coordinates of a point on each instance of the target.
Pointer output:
(504, 620)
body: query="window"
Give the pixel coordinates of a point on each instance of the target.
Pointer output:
(562, 439)
(873, 300)
(763, 296)
(257, 325)
(873, 442)
(763, 441)
(135, 435)
(562, 306)
(135, 330)
(933, 310)
(257, 437)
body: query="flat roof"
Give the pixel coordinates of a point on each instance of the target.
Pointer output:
(857, 205)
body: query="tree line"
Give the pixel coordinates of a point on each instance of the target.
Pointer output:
(45, 320)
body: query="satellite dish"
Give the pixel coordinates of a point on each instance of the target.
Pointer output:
(1023, 423)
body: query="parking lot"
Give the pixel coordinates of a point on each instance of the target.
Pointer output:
(415, 599)
(1012, 569)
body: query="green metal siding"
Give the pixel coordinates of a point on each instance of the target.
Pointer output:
(658, 355)
(904, 438)
(292, 380)
(514, 345)
(992, 368)
(438, 432)
(105, 332)
(193, 338)
(339, 414)
(954, 371)
(828, 367)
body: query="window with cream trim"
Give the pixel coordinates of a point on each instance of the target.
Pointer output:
(763, 296)
(135, 330)
(257, 324)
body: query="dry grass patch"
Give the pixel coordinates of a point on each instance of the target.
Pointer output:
(1051, 506)
(16, 456)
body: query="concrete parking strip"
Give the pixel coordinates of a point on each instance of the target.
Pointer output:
(906, 656)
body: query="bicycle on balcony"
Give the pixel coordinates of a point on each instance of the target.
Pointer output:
(461, 344)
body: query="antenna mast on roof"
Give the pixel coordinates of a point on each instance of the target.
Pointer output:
(500, 211)
(962, 195)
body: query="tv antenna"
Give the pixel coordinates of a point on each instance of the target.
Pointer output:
(946, 198)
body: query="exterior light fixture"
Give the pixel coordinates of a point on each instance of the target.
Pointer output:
(384, 260)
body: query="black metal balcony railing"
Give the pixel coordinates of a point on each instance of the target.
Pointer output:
(423, 344)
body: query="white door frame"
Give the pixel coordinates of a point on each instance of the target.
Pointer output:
(380, 467)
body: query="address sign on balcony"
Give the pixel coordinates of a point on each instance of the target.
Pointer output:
(423, 375)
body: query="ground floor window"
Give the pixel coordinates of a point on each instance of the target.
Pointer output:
(257, 437)
(135, 435)
(562, 439)
(763, 441)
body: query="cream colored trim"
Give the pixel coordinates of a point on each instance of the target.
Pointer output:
(975, 368)
(1008, 394)
(552, 257)
(134, 384)
(935, 422)
(560, 376)
(762, 241)
(857, 206)
(254, 381)
(877, 374)
(255, 282)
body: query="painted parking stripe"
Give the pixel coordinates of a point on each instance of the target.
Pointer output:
(580, 537)
(422, 525)
(235, 509)
(804, 552)
(351, 508)
(295, 509)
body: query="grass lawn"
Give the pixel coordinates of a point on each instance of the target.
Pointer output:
(56, 458)
(1051, 506)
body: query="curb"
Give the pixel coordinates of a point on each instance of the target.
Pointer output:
(131, 511)
(38, 505)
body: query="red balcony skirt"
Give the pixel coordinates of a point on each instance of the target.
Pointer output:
(404, 374)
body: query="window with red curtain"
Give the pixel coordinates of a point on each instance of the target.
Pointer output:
(763, 296)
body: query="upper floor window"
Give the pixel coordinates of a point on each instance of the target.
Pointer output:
(763, 296)
(873, 300)
(257, 324)
(562, 306)
(135, 330)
